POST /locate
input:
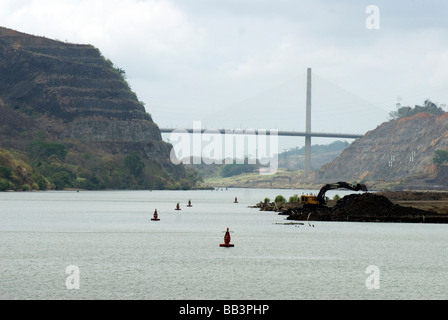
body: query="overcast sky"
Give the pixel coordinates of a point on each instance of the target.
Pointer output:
(243, 63)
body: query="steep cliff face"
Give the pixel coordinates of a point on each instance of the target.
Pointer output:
(71, 94)
(68, 81)
(401, 150)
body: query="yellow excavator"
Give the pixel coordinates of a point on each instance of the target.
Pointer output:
(319, 200)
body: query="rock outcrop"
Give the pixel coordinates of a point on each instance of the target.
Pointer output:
(408, 207)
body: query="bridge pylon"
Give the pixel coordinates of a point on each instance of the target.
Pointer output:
(308, 125)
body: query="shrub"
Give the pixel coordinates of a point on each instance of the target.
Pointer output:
(280, 199)
(294, 199)
(134, 164)
(4, 184)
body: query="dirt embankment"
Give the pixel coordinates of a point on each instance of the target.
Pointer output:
(399, 153)
(429, 201)
(372, 207)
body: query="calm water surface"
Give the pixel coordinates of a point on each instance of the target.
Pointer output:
(121, 254)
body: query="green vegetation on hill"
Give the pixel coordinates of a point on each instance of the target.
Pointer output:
(429, 107)
(441, 157)
(231, 170)
(53, 166)
(16, 174)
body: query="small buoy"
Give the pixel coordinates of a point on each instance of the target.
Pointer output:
(178, 207)
(227, 238)
(236, 200)
(189, 204)
(156, 216)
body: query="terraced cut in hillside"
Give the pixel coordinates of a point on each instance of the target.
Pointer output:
(69, 94)
(66, 80)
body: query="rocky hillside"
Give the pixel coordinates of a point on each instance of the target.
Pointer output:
(398, 153)
(56, 92)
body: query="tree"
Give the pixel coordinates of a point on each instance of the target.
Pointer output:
(61, 180)
(122, 73)
(5, 172)
(134, 164)
(4, 184)
(41, 182)
(440, 157)
(41, 150)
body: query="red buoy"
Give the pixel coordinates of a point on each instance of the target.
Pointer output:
(227, 238)
(236, 200)
(156, 216)
(189, 204)
(178, 207)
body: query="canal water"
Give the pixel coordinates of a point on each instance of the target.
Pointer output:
(103, 245)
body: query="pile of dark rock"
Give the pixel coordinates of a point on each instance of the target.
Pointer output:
(367, 207)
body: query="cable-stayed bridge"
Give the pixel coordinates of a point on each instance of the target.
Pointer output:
(308, 134)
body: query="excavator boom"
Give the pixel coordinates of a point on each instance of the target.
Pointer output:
(338, 185)
(319, 200)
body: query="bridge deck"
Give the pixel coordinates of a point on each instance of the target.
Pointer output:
(265, 132)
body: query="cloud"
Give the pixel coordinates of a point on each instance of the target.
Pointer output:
(139, 32)
(189, 59)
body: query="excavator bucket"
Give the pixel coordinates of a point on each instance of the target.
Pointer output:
(363, 187)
